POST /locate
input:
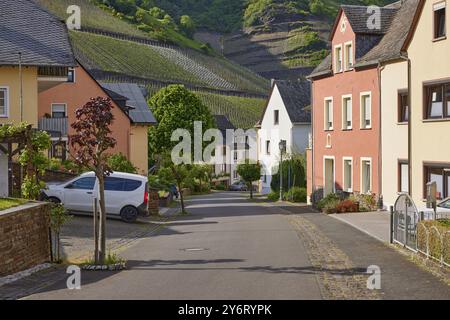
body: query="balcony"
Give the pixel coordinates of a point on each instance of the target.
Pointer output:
(49, 77)
(56, 127)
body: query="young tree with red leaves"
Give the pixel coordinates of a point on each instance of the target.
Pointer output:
(91, 142)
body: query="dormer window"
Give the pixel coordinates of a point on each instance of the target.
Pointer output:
(71, 75)
(439, 20)
(338, 59)
(349, 56)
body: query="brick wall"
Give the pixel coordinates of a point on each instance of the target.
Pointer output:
(24, 237)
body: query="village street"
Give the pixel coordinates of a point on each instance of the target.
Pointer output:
(231, 248)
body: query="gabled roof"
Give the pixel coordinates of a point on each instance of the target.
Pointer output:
(223, 123)
(138, 109)
(296, 97)
(40, 37)
(358, 16)
(386, 46)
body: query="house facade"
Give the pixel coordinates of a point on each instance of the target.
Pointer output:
(57, 108)
(235, 149)
(285, 118)
(428, 49)
(31, 61)
(355, 104)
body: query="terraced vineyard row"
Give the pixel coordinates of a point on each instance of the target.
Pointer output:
(242, 112)
(91, 16)
(130, 58)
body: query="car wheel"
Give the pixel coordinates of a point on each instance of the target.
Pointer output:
(129, 214)
(54, 200)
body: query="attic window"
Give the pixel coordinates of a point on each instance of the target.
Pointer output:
(276, 117)
(348, 56)
(338, 59)
(439, 20)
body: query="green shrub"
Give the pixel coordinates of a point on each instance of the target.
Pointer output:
(297, 168)
(329, 201)
(273, 196)
(367, 202)
(55, 164)
(118, 162)
(298, 194)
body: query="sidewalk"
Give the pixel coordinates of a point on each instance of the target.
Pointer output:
(375, 224)
(400, 277)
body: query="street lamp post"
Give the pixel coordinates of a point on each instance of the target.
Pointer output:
(282, 146)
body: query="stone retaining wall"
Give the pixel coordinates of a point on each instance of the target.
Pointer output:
(24, 237)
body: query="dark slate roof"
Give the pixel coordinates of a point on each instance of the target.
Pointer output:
(139, 111)
(39, 36)
(223, 123)
(296, 96)
(374, 48)
(358, 16)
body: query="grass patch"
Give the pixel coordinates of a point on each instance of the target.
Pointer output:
(6, 203)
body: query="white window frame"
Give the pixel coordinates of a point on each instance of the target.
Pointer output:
(336, 47)
(366, 159)
(74, 75)
(436, 7)
(327, 115)
(344, 112)
(58, 104)
(346, 57)
(6, 114)
(275, 122)
(363, 110)
(325, 158)
(344, 159)
(268, 146)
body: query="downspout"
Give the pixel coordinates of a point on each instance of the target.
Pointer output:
(404, 56)
(380, 68)
(313, 185)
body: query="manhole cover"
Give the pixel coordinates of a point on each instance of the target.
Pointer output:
(194, 249)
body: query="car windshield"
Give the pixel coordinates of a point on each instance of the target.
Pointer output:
(445, 204)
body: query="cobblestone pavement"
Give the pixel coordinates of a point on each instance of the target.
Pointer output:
(344, 253)
(338, 277)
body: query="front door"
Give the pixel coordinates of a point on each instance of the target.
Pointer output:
(329, 177)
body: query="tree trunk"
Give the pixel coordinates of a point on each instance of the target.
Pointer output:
(181, 197)
(102, 222)
(96, 231)
(251, 190)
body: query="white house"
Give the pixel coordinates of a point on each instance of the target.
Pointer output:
(286, 117)
(231, 152)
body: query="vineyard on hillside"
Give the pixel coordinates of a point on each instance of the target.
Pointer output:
(243, 112)
(163, 64)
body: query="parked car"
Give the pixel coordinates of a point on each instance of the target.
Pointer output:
(126, 195)
(444, 206)
(238, 186)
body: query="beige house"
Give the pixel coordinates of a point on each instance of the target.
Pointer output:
(428, 48)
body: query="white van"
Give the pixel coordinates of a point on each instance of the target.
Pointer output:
(126, 195)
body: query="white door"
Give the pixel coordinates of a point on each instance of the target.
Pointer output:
(79, 194)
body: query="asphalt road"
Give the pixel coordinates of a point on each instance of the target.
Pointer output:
(226, 248)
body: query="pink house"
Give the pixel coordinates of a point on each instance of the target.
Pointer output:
(346, 146)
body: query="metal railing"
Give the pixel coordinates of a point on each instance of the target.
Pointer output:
(60, 125)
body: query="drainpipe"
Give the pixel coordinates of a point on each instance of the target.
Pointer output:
(404, 56)
(21, 86)
(313, 184)
(380, 68)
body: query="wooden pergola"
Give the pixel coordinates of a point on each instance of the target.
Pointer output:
(15, 143)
